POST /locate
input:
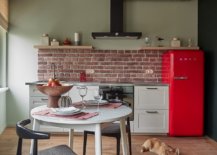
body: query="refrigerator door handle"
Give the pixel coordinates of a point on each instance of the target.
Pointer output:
(180, 78)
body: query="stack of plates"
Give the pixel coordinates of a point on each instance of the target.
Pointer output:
(66, 111)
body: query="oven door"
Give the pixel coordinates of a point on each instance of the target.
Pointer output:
(117, 94)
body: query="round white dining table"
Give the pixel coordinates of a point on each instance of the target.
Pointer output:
(96, 123)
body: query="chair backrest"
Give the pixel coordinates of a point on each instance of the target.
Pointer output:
(25, 133)
(128, 124)
(128, 118)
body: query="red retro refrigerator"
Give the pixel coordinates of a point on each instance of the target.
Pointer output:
(183, 70)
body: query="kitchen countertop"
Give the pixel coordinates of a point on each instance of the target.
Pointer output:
(77, 83)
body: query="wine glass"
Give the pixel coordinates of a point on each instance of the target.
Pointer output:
(98, 96)
(82, 93)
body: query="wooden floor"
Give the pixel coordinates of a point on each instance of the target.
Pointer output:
(187, 145)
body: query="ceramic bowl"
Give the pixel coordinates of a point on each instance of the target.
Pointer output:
(54, 91)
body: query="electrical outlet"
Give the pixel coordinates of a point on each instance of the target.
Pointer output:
(89, 71)
(149, 71)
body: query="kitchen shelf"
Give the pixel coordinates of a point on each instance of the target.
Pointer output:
(63, 47)
(169, 48)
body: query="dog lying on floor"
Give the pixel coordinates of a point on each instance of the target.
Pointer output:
(160, 148)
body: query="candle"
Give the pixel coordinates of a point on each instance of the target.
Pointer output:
(76, 38)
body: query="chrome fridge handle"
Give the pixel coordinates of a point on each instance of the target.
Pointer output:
(180, 78)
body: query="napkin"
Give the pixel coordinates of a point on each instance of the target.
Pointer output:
(112, 105)
(42, 112)
(80, 116)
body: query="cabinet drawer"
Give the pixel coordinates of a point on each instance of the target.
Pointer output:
(151, 97)
(38, 101)
(151, 121)
(33, 91)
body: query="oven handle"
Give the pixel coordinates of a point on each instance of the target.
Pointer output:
(151, 88)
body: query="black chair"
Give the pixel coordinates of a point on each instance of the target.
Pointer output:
(112, 130)
(25, 133)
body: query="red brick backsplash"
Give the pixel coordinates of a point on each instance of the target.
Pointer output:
(108, 65)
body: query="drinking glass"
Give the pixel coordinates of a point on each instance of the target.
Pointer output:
(83, 93)
(98, 96)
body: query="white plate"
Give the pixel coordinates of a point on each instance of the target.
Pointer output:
(94, 102)
(66, 111)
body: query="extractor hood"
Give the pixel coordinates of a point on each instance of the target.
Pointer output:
(116, 24)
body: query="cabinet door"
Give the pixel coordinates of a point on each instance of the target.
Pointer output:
(151, 121)
(37, 101)
(33, 91)
(151, 97)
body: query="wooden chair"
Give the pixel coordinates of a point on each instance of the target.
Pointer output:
(25, 133)
(112, 130)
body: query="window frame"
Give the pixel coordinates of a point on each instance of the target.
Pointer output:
(3, 57)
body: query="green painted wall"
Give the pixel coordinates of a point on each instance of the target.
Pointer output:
(61, 18)
(208, 42)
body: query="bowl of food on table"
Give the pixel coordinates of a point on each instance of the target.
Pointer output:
(54, 89)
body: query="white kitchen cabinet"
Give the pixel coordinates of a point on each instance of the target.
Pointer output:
(151, 121)
(37, 101)
(151, 109)
(36, 98)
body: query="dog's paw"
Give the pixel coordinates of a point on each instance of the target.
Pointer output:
(177, 151)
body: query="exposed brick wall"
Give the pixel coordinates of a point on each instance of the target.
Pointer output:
(109, 65)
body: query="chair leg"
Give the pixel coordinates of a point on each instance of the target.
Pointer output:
(129, 141)
(35, 147)
(19, 147)
(118, 145)
(84, 143)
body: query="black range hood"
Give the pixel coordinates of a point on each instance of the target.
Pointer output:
(116, 24)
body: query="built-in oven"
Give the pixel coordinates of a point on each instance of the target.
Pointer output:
(119, 93)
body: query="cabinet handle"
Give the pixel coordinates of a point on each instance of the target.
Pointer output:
(151, 88)
(152, 112)
(44, 99)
